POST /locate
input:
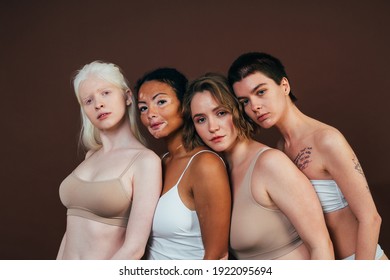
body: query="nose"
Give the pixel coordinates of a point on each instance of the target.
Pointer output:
(256, 107)
(213, 126)
(152, 112)
(98, 104)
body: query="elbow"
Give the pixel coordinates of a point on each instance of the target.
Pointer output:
(373, 221)
(216, 256)
(377, 220)
(139, 254)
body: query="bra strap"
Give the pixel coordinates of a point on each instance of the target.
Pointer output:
(130, 164)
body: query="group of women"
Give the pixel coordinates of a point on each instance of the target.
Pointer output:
(217, 193)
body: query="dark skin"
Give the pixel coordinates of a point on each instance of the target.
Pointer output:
(204, 187)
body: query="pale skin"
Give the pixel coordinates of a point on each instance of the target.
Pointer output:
(291, 193)
(322, 153)
(88, 239)
(205, 185)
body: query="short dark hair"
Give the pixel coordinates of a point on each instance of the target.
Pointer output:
(169, 76)
(252, 62)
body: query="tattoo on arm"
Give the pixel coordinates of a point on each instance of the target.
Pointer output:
(302, 160)
(358, 167)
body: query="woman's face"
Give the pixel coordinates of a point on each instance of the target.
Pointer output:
(103, 103)
(160, 109)
(213, 122)
(264, 100)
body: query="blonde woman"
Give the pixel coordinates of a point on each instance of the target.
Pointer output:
(111, 196)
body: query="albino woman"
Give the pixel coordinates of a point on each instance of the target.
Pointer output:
(320, 151)
(111, 196)
(276, 213)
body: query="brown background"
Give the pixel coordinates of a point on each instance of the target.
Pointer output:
(336, 54)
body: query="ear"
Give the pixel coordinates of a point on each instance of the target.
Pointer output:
(128, 97)
(285, 85)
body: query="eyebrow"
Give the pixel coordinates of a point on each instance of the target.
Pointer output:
(215, 109)
(154, 97)
(257, 87)
(252, 91)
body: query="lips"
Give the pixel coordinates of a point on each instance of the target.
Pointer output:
(103, 116)
(216, 139)
(156, 125)
(262, 117)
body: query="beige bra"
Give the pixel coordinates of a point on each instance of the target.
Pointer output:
(104, 201)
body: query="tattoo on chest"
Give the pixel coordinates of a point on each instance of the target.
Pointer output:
(358, 167)
(302, 160)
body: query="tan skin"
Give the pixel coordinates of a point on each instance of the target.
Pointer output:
(321, 153)
(89, 239)
(205, 185)
(291, 193)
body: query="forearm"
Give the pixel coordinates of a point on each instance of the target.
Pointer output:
(216, 254)
(367, 239)
(322, 251)
(126, 253)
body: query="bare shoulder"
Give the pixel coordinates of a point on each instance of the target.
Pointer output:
(206, 163)
(272, 160)
(147, 156)
(328, 138)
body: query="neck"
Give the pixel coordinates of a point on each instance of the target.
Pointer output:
(175, 143)
(238, 152)
(291, 123)
(119, 137)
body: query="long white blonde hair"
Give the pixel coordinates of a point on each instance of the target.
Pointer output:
(89, 134)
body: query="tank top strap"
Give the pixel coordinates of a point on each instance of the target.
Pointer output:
(253, 163)
(130, 164)
(189, 162)
(164, 155)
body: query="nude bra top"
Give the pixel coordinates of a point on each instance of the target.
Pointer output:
(105, 201)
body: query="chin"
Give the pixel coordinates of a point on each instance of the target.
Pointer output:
(216, 148)
(265, 125)
(157, 135)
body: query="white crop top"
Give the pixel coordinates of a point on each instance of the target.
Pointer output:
(176, 233)
(330, 195)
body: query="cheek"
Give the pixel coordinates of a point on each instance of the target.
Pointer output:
(233, 129)
(88, 112)
(201, 131)
(144, 119)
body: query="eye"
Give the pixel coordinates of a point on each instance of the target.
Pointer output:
(87, 101)
(142, 109)
(106, 92)
(161, 102)
(222, 113)
(261, 92)
(244, 101)
(199, 120)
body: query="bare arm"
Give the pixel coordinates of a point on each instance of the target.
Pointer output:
(212, 204)
(342, 164)
(146, 192)
(294, 195)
